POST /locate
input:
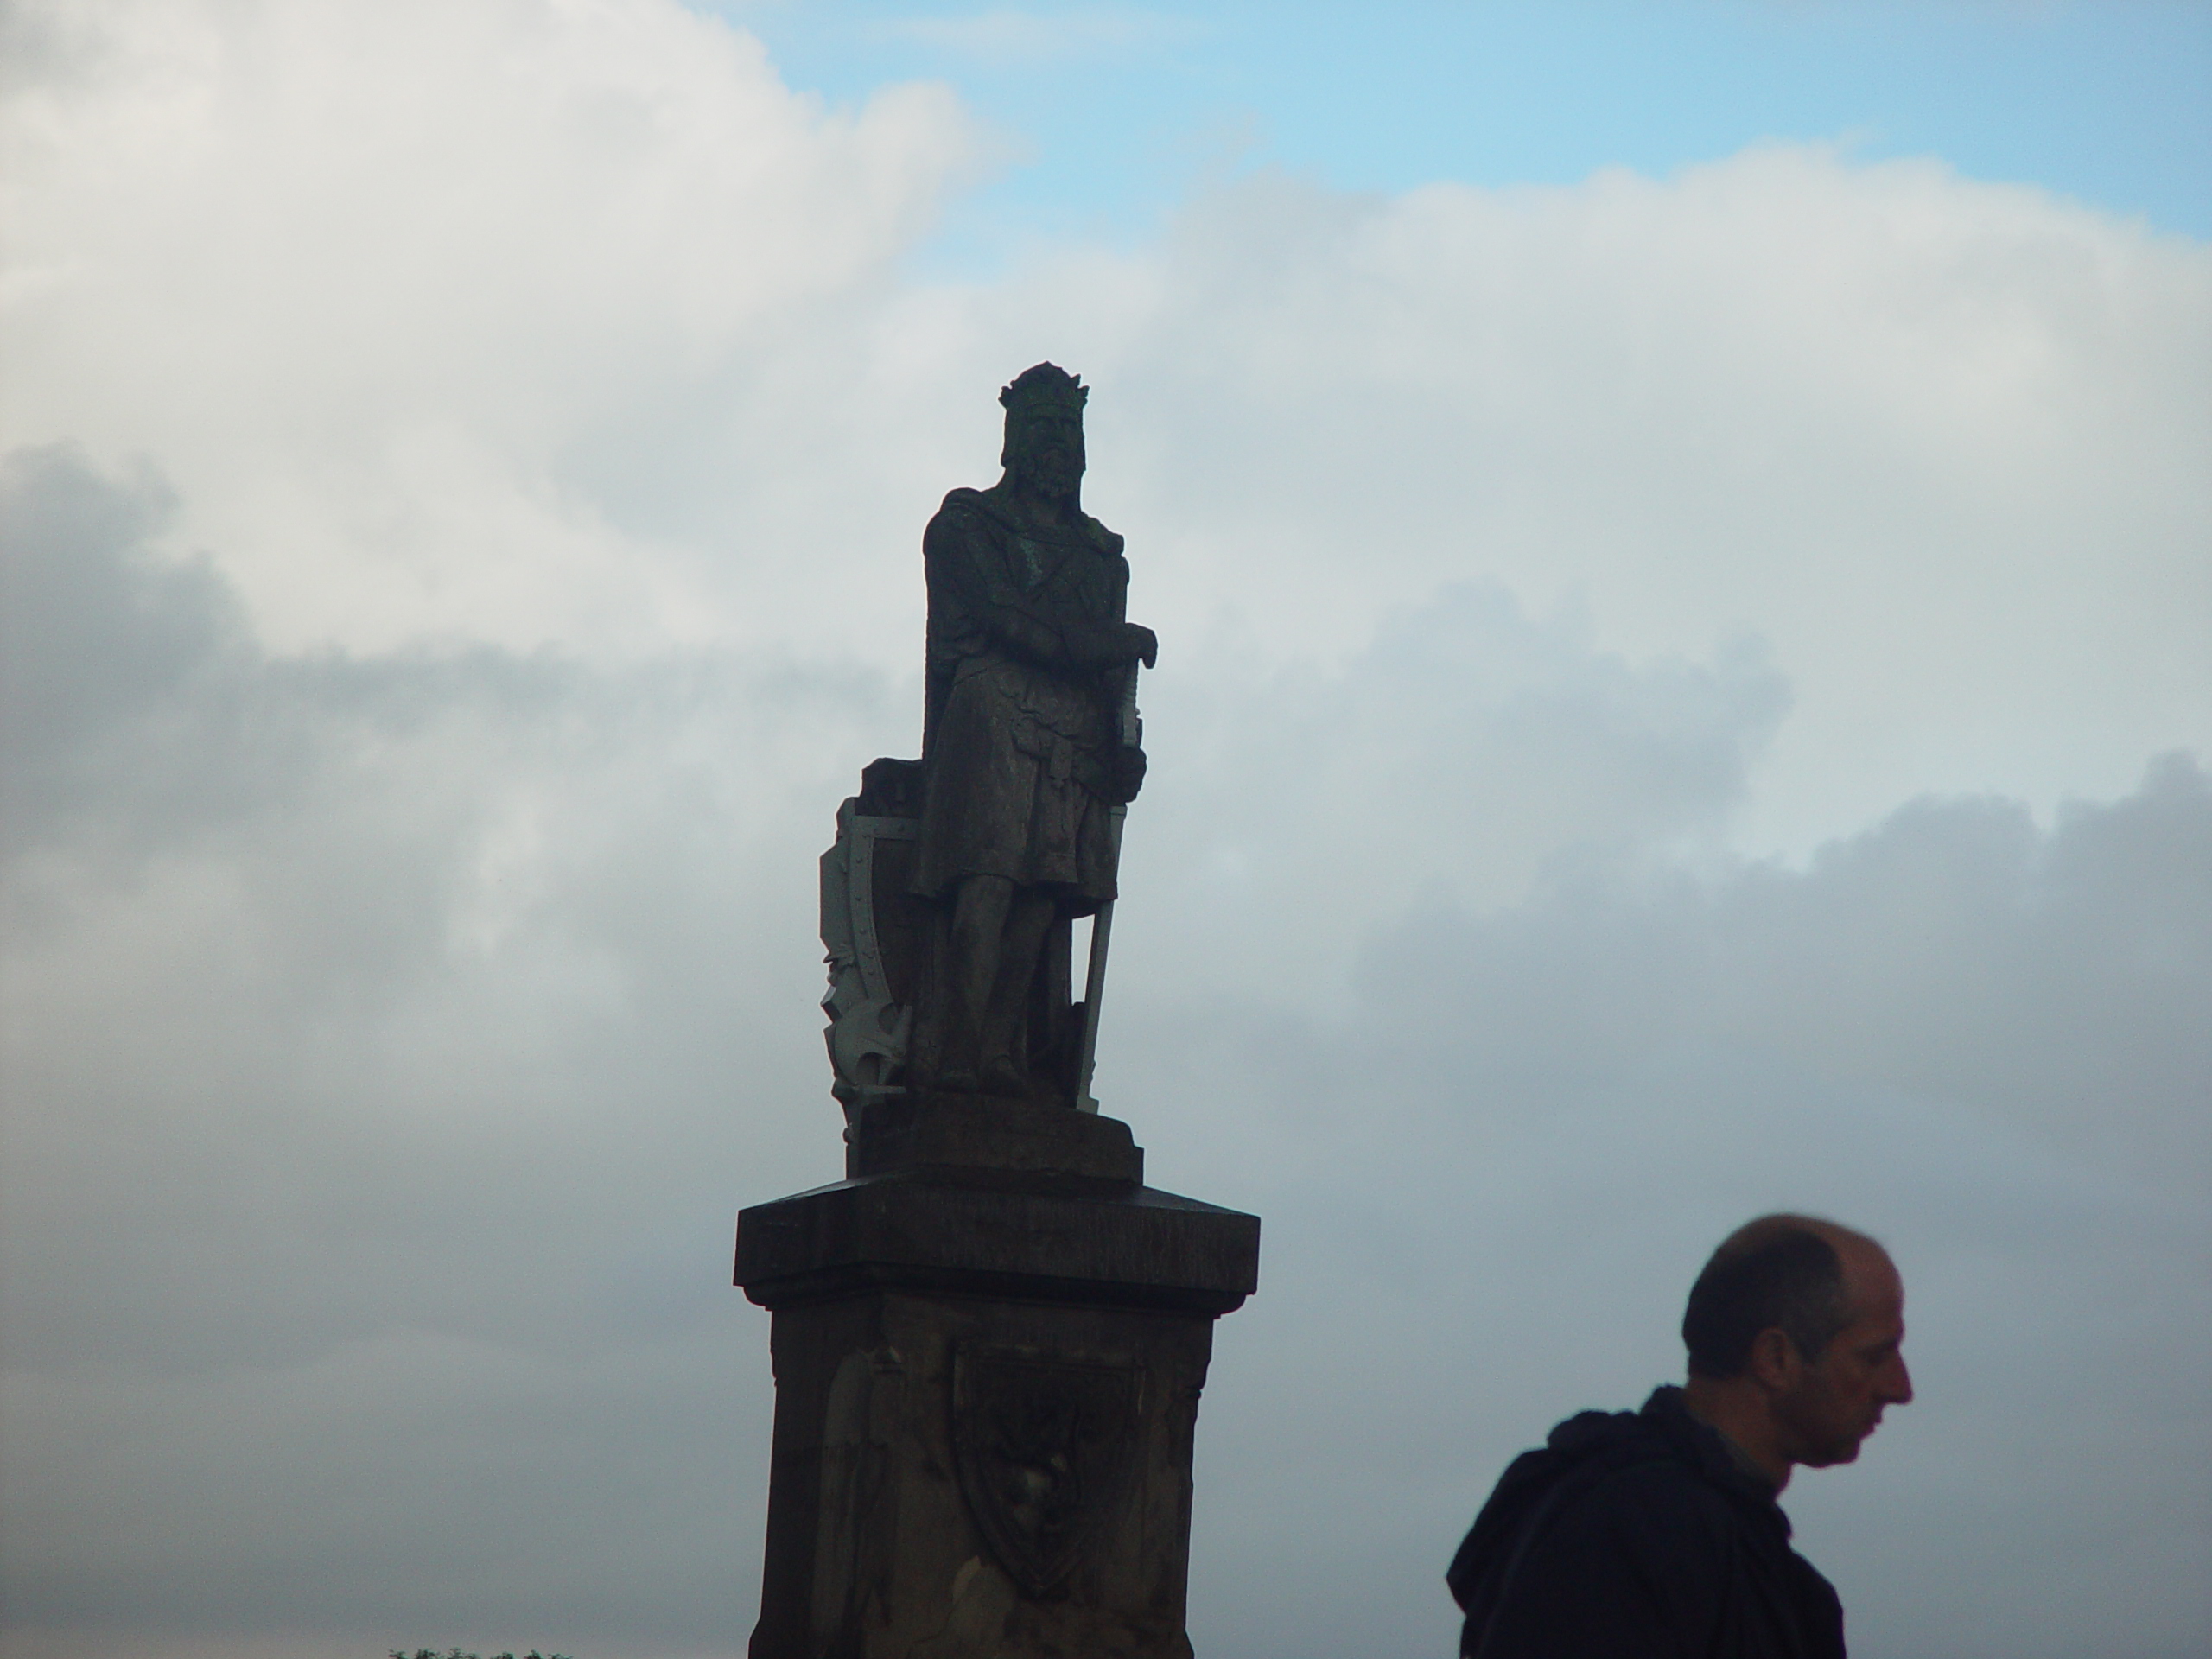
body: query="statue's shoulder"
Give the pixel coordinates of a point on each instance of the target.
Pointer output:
(966, 510)
(1106, 541)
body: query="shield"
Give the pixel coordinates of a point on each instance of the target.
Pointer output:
(875, 932)
(1046, 1447)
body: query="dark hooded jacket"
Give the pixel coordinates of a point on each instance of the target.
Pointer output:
(1638, 1535)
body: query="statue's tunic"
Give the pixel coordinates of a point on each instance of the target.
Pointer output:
(1022, 721)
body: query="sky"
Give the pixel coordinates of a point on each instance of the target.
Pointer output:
(1681, 542)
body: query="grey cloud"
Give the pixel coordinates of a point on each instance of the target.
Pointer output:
(374, 1122)
(1954, 953)
(390, 1032)
(1466, 751)
(1489, 1179)
(377, 1112)
(93, 637)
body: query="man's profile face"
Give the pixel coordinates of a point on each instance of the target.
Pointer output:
(1048, 454)
(1839, 1401)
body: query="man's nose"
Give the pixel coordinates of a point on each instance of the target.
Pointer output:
(1900, 1389)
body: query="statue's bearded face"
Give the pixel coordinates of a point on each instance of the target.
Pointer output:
(1047, 453)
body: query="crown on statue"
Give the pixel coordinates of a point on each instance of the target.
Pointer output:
(1044, 390)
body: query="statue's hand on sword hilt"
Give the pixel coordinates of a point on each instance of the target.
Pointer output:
(1128, 764)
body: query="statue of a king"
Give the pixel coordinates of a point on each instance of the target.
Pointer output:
(1030, 661)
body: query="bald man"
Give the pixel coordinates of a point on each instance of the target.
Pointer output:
(1655, 1534)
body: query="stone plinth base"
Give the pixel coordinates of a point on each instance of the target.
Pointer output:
(988, 1347)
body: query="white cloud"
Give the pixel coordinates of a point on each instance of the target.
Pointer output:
(1939, 444)
(359, 276)
(1463, 755)
(502, 438)
(594, 337)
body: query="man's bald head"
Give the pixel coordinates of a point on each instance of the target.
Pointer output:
(1791, 1272)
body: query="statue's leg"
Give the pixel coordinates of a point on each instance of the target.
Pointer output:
(1050, 1024)
(979, 924)
(1005, 1068)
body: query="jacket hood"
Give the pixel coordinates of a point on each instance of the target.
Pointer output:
(1582, 1450)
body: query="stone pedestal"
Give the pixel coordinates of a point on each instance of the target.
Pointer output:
(988, 1343)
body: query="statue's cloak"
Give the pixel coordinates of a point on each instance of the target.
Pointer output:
(1021, 726)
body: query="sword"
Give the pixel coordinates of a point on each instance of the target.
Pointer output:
(1102, 925)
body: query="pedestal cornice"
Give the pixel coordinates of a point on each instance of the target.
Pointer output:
(998, 1233)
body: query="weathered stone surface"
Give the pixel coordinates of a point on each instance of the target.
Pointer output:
(1139, 1248)
(962, 1136)
(987, 1379)
(989, 1337)
(957, 1478)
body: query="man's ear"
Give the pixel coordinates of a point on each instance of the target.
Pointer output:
(1775, 1360)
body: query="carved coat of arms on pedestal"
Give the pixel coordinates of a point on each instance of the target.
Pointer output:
(1047, 1448)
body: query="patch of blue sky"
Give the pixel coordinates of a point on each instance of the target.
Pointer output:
(1113, 115)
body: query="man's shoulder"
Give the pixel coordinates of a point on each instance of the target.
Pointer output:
(1622, 1483)
(1633, 1532)
(1635, 1469)
(1650, 1503)
(1606, 1536)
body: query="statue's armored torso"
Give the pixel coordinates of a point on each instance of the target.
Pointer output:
(1021, 723)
